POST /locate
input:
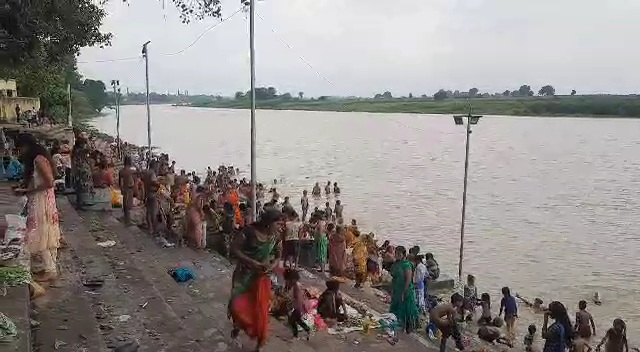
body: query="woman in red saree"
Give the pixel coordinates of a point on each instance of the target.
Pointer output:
(258, 250)
(337, 251)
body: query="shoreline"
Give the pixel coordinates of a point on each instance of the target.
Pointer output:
(591, 106)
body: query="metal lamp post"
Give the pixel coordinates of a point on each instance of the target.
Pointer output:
(145, 54)
(116, 94)
(459, 120)
(252, 53)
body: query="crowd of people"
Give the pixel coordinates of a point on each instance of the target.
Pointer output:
(190, 207)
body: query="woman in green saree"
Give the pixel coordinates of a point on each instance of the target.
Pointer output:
(403, 301)
(258, 250)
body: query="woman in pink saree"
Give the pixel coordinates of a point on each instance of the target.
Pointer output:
(337, 250)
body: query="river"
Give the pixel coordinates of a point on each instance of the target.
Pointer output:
(552, 204)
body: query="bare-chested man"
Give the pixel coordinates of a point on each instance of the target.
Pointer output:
(151, 200)
(127, 185)
(444, 317)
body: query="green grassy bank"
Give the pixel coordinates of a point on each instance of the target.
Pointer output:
(584, 105)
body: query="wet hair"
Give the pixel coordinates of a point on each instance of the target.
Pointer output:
(414, 250)
(617, 322)
(456, 298)
(429, 256)
(506, 291)
(34, 149)
(330, 227)
(127, 160)
(582, 304)
(538, 301)
(485, 297)
(471, 278)
(532, 329)
(401, 250)
(558, 312)
(497, 322)
(291, 275)
(333, 285)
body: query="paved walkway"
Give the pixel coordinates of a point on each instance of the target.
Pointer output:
(138, 302)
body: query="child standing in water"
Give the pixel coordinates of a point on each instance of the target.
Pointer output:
(292, 278)
(529, 338)
(615, 340)
(509, 306)
(470, 297)
(485, 302)
(585, 327)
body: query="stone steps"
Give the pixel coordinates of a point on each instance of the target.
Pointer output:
(128, 306)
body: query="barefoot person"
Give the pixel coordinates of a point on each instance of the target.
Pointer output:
(151, 199)
(43, 228)
(444, 317)
(615, 339)
(258, 251)
(403, 301)
(127, 185)
(585, 326)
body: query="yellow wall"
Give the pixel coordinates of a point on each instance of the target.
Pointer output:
(8, 107)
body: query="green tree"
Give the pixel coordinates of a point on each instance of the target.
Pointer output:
(387, 95)
(286, 96)
(239, 95)
(410, 95)
(506, 93)
(301, 95)
(525, 91)
(440, 95)
(547, 90)
(473, 92)
(96, 93)
(573, 92)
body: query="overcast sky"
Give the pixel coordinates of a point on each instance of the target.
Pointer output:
(362, 47)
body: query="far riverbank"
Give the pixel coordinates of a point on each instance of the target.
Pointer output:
(583, 106)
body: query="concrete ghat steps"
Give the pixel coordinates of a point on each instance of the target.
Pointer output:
(128, 306)
(203, 303)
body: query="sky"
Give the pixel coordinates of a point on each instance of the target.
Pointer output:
(364, 47)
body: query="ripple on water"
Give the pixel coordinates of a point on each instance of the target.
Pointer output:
(551, 207)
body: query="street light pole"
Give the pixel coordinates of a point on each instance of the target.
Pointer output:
(252, 53)
(471, 120)
(145, 54)
(116, 92)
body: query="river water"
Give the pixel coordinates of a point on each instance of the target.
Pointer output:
(553, 203)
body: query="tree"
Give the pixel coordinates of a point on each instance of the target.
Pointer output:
(377, 96)
(440, 95)
(506, 93)
(387, 95)
(286, 96)
(239, 95)
(272, 92)
(525, 91)
(456, 93)
(45, 33)
(573, 92)
(410, 96)
(473, 92)
(96, 93)
(423, 96)
(547, 90)
(301, 95)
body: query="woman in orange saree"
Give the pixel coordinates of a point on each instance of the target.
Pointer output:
(258, 250)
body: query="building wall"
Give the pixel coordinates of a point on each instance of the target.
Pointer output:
(8, 88)
(8, 107)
